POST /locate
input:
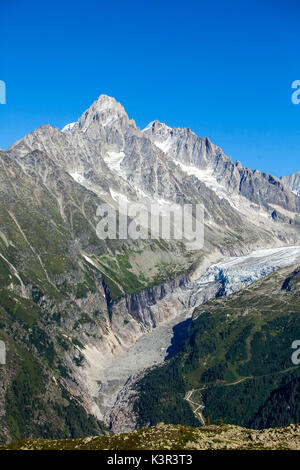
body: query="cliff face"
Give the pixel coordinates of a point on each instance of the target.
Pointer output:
(292, 182)
(199, 156)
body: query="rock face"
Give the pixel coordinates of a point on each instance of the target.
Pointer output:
(292, 182)
(201, 157)
(70, 303)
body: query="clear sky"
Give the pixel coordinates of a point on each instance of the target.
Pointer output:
(224, 68)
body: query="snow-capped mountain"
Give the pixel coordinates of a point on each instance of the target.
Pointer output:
(73, 303)
(200, 157)
(105, 152)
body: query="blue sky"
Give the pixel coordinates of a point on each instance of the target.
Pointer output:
(223, 68)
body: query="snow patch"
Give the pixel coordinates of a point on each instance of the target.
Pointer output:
(161, 126)
(118, 197)
(165, 145)
(83, 181)
(114, 160)
(89, 260)
(209, 180)
(109, 120)
(239, 203)
(68, 127)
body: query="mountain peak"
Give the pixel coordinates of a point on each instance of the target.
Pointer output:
(105, 110)
(105, 102)
(155, 125)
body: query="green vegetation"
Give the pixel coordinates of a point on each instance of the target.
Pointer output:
(125, 272)
(34, 407)
(237, 354)
(161, 398)
(17, 308)
(171, 437)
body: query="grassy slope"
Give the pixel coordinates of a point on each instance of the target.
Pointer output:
(164, 437)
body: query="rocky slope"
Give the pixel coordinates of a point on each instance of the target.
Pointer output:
(231, 181)
(292, 182)
(106, 153)
(170, 437)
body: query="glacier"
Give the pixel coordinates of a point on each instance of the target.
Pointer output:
(115, 377)
(239, 272)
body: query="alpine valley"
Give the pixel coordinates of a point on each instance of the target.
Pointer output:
(113, 335)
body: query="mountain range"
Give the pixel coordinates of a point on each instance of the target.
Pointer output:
(71, 304)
